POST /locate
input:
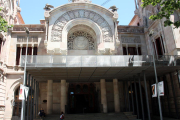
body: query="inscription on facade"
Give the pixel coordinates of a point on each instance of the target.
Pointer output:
(130, 39)
(65, 18)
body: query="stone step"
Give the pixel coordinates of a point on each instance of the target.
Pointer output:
(132, 117)
(128, 113)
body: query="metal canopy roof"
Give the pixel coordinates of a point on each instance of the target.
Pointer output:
(94, 68)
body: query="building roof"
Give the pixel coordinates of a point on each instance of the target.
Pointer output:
(20, 19)
(135, 16)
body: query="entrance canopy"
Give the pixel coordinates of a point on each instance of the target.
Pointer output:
(94, 68)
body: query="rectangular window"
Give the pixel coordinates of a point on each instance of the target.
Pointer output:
(18, 52)
(0, 44)
(159, 47)
(139, 51)
(132, 51)
(124, 51)
(35, 51)
(163, 44)
(18, 55)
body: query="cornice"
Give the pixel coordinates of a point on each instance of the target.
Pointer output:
(69, 5)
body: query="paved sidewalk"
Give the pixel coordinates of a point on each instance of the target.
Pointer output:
(164, 118)
(93, 116)
(98, 116)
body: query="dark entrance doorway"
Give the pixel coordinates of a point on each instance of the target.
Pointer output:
(82, 98)
(82, 103)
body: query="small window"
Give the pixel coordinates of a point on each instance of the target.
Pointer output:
(132, 51)
(124, 51)
(158, 46)
(0, 44)
(139, 51)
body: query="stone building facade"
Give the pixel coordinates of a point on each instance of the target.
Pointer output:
(81, 60)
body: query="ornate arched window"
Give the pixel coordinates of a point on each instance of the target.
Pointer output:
(80, 40)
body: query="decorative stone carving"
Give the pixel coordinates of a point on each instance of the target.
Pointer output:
(106, 51)
(5, 5)
(130, 39)
(131, 30)
(80, 41)
(113, 8)
(30, 29)
(3, 35)
(145, 21)
(2, 108)
(56, 35)
(87, 1)
(33, 39)
(48, 7)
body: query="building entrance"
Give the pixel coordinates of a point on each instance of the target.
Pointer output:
(82, 98)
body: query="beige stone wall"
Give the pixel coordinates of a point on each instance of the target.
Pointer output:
(110, 96)
(13, 46)
(170, 41)
(56, 97)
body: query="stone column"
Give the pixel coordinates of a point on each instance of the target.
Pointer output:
(50, 97)
(137, 49)
(127, 49)
(116, 95)
(63, 95)
(103, 95)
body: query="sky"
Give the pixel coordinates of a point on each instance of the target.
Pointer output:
(32, 10)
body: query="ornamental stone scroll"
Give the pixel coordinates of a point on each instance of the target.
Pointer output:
(56, 35)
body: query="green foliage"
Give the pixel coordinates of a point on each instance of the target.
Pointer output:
(166, 10)
(4, 24)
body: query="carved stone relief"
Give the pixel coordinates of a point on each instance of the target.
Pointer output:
(5, 5)
(80, 41)
(74, 14)
(2, 108)
(24, 39)
(130, 39)
(130, 30)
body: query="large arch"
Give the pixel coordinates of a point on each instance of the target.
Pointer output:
(81, 21)
(57, 33)
(10, 98)
(81, 41)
